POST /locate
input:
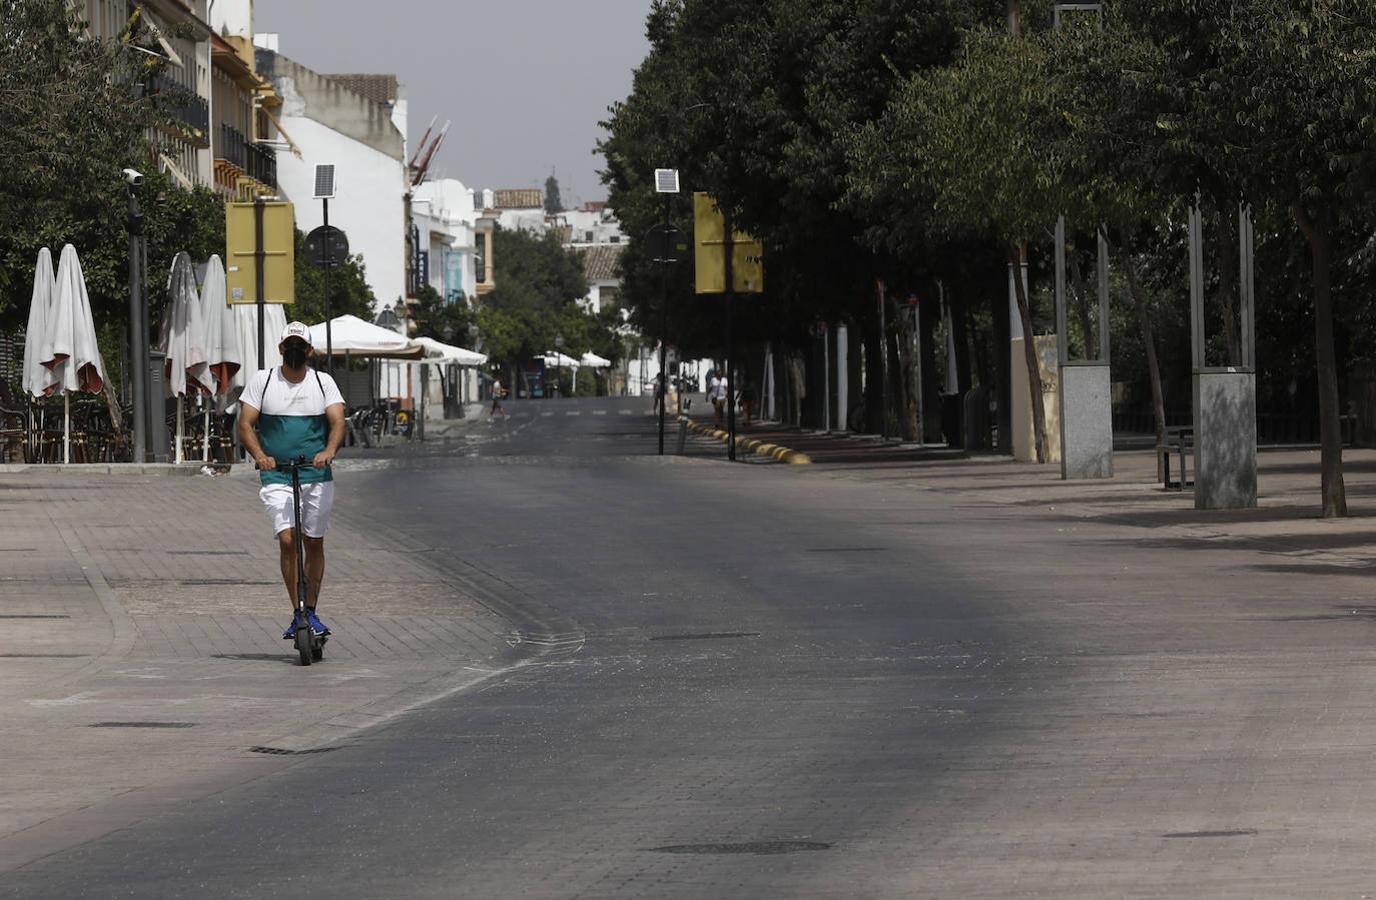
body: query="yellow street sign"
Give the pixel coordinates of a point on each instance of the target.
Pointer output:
(709, 244)
(279, 253)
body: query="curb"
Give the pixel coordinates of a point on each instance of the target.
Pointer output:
(750, 445)
(165, 469)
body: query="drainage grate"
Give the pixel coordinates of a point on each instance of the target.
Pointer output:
(845, 549)
(44, 655)
(142, 725)
(235, 582)
(1235, 832)
(206, 553)
(759, 848)
(18, 549)
(705, 636)
(279, 751)
(257, 657)
(32, 616)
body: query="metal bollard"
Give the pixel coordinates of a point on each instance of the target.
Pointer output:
(682, 435)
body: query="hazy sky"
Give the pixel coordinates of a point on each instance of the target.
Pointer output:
(524, 81)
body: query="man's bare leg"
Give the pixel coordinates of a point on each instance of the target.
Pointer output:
(315, 569)
(286, 545)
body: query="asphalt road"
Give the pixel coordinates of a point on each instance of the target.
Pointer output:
(746, 681)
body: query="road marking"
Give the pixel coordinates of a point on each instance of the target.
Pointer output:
(599, 412)
(546, 414)
(572, 412)
(626, 412)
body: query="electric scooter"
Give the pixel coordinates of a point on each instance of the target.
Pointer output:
(309, 645)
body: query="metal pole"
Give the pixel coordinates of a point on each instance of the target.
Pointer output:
(826, 377)
(728, 263)
(664, 330)
(917, 368)
(259, 255)
(329, 262)
(138, 356)
(883, 363)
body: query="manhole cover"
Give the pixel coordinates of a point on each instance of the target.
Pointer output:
(759, 848)
(142, 725)
(279, 751)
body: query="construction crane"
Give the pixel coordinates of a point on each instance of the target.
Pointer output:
(425, 152)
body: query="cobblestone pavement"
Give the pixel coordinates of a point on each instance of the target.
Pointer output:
(140, 641)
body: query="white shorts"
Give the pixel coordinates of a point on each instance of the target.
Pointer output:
(317, 499)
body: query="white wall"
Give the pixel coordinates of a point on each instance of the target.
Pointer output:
(368, 204)
(232, 17)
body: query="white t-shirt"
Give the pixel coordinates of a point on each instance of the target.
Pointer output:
(291, 418)
(718, 388)
(272, 395)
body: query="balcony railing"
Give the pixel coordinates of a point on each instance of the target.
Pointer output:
(182, 105)
(253, 159)
(232, 143)
(262, 164)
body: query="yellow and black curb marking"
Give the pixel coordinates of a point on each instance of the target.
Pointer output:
(750, 445)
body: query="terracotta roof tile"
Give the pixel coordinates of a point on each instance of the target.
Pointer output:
(600, 262)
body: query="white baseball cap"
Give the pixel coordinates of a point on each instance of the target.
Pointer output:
(296, 330)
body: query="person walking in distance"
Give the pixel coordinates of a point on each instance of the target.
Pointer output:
(288, 412)
(498, 393)
(716, 389)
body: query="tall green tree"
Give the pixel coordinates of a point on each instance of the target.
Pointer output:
(538, 286)
(71, 117)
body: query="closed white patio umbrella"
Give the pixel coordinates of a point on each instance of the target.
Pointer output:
(37, 378)
(246, 325)
(187, 366)
(593, 361)
(223, 351)
(70, 352)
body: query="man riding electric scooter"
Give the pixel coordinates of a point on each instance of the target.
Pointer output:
(286, 413)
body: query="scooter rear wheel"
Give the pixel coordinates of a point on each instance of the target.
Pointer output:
(303, 645)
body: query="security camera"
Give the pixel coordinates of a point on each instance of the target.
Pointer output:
(135, 179)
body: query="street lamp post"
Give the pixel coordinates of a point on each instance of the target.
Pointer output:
(666, 184)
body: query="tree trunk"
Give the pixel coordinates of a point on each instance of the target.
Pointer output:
(933, 426)
(1225, 239)
(957, 304)
(904, 380)
(1158, 400)
(855, 392)
(874, 374)
(1316, 228)
(1003, 373)
(1015, 18)
(1029, 347)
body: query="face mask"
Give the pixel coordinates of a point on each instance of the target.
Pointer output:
(294, 357)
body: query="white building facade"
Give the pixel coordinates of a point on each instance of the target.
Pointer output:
(365, 141)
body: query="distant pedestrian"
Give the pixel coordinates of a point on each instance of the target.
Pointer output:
(659, 394)
(748, 402)
(498, 393)
(716, 391)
